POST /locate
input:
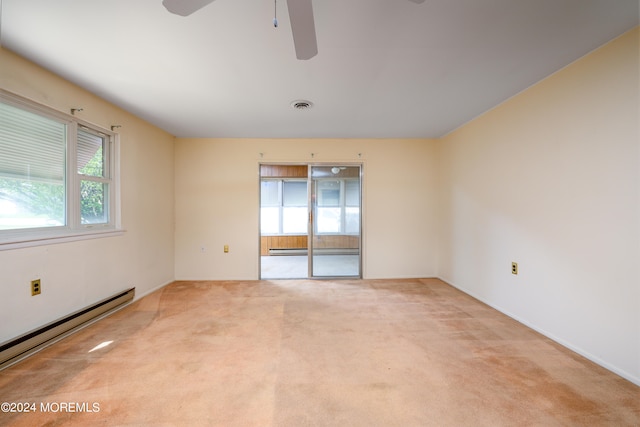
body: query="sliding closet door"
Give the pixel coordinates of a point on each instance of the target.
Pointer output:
(335, 230)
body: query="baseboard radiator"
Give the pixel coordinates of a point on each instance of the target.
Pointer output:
(18, 348)
(287, 251)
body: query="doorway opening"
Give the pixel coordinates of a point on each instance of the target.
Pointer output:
(310, 221)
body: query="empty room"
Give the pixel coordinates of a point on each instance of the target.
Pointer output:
(338, 213)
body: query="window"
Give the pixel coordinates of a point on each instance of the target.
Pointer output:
(294, 207)
(352, 207)
(270, 207)
(329, 212)
(338, 207)
(94, 179)
(56, 174)
(283, 207)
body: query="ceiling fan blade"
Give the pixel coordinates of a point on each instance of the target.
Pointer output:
(417, 1)
(303, 28)
(184, 7)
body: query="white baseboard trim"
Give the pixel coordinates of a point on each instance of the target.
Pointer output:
(152, 290)
(562, 342)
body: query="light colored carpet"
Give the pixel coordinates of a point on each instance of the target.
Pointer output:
(315, 353)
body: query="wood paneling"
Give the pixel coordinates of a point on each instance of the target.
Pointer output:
(300, 242)
(282, 242)
(336, 242)
(283, 171)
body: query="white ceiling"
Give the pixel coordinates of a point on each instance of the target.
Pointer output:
(385, 68)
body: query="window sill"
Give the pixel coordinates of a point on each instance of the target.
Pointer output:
(28, 242)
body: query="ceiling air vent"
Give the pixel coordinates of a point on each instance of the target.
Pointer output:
(301, 104)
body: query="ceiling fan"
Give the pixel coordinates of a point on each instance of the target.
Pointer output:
(300, 15)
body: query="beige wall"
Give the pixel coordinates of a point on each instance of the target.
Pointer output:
(217, 203)
(77, 274)
(550, 179)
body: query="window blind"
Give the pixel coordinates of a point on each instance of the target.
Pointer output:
(32, 147)
(88, 146)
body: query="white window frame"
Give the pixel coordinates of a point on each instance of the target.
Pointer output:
(73, 229)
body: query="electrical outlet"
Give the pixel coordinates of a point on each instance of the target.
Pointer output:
(514, 268)
(35, 287)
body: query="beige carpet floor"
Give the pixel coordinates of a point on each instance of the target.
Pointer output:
(411, 352)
